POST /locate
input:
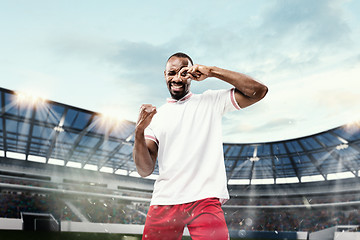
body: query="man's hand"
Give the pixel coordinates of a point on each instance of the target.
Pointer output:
(196, 72)
(147, 111)
(145, 151)
(248, 91)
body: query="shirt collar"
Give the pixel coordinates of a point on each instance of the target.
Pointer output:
(182, 100)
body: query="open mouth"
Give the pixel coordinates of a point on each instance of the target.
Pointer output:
(177, 87)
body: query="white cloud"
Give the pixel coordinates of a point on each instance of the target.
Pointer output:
(300, 107)
(305, 51)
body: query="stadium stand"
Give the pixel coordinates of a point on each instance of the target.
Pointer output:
(77, 165)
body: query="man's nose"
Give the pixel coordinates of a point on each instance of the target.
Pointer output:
(177, 78)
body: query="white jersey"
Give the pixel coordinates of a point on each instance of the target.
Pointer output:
(190, 150)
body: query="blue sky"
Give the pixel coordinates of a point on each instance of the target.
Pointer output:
(110, 56)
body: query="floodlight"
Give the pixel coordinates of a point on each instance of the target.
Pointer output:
(255, 158)
(110, 116)
(342, 146)
(342, 140)
(59, 129)
(29, 99)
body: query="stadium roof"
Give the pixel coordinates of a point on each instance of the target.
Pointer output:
(332, 154)
(34, 129)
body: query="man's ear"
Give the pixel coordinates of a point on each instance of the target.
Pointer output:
(165, 73)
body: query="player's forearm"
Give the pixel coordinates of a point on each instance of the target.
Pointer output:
(144, 162)
(242, 82)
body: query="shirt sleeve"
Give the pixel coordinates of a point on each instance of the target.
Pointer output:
(149, 134)
(224, 100)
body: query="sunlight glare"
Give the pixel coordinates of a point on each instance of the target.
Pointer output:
(29, 99)
(110, 117)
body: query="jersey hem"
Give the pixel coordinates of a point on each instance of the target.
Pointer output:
(221, 199)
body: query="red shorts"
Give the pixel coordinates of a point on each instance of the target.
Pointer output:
(204, 219)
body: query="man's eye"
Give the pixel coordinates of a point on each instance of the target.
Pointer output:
(171, 73)
(184, 73)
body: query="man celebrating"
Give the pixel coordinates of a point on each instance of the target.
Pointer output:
(185, 136)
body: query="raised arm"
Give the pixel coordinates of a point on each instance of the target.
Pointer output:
(145, 151)
(248, 91)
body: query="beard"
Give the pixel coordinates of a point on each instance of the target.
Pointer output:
(178, 90)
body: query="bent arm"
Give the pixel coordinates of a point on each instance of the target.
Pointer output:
(248, 91)
(145, 151)
(144, 154)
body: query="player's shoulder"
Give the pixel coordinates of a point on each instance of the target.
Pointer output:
(215, 93)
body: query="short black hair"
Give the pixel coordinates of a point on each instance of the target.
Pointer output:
(181, 55)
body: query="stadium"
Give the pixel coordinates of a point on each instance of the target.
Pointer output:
(68, 173)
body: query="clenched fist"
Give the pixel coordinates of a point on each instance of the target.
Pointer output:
(147, 111)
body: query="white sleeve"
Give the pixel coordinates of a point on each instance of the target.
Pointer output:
(149, 134)
(224, 100)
